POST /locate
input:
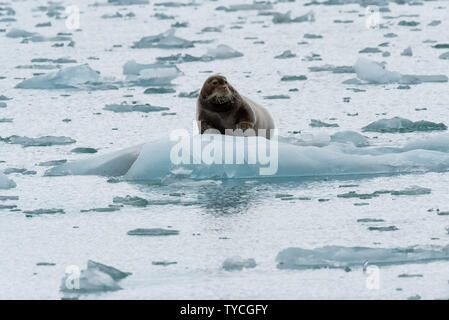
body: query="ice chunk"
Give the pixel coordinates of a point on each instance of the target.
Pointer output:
(124, 107)
(5, 182)
(286, 55)
(131, 201)
(96, 278)
(155, 232)
(351, 136)
(69, 78)
(397, 124)
(238, 263)
(320, 124)
(19, 33)
(407, 52)
(286, 17)
(341, 257)
(150, 74)
(246, 7)
(128, 2)
(223, 52)
(444, 56)
(374, 72)
(165, 40)
(333, 69)
(38, 142)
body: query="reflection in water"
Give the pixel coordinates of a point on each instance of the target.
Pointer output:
(228, 197)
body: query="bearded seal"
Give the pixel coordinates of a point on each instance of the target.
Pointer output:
(221, 107)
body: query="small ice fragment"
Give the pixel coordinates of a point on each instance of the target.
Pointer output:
(95, 278)
(155, 232)
(124, 107)
(5, 182)
(407, 52)
(237, 263)
(131, 201)
(223, 51)
(165, 40)
(320, 124)
(38, 142)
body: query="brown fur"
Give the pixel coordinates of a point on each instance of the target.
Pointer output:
(221, 107)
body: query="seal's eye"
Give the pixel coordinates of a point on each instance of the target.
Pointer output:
(215, 82)
(226, 82)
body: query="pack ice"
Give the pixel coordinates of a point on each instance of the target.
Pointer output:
(153, 162)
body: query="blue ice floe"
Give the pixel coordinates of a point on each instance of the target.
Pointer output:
(216, 157)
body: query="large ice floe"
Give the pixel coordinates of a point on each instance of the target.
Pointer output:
(5, 182)
(372, 72)
(215, 157)
(342, 257)
(76, 77)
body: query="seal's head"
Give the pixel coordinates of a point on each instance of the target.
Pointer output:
(217, 91)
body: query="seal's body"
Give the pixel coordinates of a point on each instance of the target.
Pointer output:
(221, 107)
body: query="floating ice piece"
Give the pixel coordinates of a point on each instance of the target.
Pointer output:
(246, 7)
(223, 52)
(128, 2)
(407, 52)
(320, 124)
(165, 40)
(38, 142)
(5, 182)
(351, 136)
(131, 201)
(341, 257)
(153, 163)
(445, 56)
(69, 78)
(401, 125)
(237, 263)
(333, 69)
(150, 74)
(39, 212)
(19, 33)
(96, 278)
(286, 17)
(374, 72)
(124, 107)
(286, 55)
(155, 232)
